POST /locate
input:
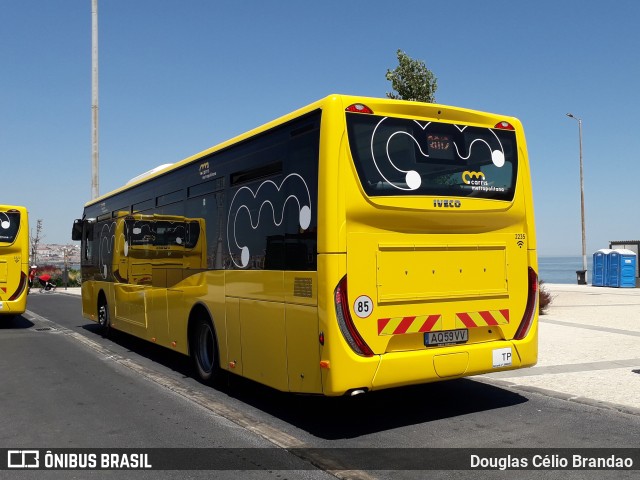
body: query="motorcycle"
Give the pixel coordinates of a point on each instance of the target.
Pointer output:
(46, 285)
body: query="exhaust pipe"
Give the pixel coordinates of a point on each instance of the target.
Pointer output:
(357, 391)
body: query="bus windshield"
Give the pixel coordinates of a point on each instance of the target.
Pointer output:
(9, 226)
(400, 156)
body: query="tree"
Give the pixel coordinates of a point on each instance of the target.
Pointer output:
(412, 80)
(35, 241)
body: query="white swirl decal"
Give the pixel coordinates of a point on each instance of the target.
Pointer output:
(105, 249)
(497, 156)
(383, 135)
(5, 223)
(269, 194)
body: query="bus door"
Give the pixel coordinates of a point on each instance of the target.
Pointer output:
(132, 265)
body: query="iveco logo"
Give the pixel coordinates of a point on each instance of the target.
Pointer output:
(447, 203)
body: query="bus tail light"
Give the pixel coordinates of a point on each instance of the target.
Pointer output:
(358, 108)
(21, 287)
(345, 321)
(531, 308)
(504, 126)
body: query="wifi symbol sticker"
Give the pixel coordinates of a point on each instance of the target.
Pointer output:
(520, 243)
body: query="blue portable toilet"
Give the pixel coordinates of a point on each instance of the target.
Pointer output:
(622, 269)
(600, 267)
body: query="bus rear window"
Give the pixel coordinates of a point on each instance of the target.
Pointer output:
(9, 226)
(399, 156)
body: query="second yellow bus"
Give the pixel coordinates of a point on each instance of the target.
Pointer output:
(14, 260)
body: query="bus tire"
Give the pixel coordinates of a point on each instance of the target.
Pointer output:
(204, 350)
(103, 316)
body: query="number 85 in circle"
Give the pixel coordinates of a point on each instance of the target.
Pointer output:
(363, 306)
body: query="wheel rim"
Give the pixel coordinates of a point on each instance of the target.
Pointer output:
(205, 348)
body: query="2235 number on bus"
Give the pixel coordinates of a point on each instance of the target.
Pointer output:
(446, 337)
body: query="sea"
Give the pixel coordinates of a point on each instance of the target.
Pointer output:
(563, 269)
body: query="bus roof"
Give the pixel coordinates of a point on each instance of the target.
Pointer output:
(346, 99)
(4, 208)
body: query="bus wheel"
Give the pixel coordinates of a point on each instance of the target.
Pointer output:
(103, 316)
(204, 351)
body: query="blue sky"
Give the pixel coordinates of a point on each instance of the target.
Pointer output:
(179, 76)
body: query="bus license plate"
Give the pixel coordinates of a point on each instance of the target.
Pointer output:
(446, 337)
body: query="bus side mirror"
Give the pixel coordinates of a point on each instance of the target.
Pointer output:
(76, 231)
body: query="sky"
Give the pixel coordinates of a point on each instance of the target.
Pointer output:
(179, 76)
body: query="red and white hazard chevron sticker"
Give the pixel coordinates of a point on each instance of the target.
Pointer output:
(415, 324)
(482, 319)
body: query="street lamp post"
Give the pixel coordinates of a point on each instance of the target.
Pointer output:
(95, 188)
(584, 239)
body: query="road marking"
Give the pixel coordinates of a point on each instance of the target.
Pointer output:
(568, 368)
(620, 331)
(264, 430)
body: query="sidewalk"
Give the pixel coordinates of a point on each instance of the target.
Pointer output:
(69, 290)
(589, 348)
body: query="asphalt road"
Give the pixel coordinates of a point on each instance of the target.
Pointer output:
(65, 386)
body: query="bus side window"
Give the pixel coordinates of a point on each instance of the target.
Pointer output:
(209, 210)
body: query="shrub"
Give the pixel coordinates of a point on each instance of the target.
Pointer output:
(56, 274)
(545, 298)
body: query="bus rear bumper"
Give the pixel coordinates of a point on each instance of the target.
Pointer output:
(14, 307)
(442, 363)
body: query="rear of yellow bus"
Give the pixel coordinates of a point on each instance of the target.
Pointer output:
(427, 248)
(14, 260)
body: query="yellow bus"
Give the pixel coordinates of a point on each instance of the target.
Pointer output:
(355, 244)
(14, 260)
